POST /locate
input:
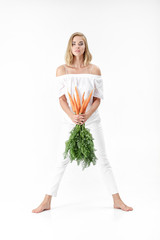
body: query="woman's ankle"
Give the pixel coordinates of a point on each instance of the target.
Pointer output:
(48, 198)
(116, 196)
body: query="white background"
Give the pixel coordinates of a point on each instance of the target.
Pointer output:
(123, 38)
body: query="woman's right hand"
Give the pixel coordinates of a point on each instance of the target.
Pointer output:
(77, 118)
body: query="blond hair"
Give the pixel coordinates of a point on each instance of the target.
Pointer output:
(86, 55)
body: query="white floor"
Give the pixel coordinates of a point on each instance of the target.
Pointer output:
(84, 217)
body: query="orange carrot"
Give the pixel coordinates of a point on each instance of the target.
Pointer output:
(72, 102)
(84, 108)
(78, 99)
(83, 97)
(83, 105)
(88, 99)
(75, 103)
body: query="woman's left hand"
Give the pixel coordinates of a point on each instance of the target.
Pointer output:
(85, 117)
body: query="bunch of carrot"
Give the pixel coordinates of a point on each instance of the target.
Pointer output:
(77, 107)
(80, 145)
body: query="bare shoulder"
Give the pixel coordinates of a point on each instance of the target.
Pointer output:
(96, 70)
(60, 70)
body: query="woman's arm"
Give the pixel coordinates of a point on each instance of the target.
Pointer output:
(96, 101)
(63, 100)
(94, 106)
(64, 105)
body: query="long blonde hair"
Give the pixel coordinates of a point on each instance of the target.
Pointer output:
(86, 55)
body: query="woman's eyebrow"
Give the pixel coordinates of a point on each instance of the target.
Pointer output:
(79, 41)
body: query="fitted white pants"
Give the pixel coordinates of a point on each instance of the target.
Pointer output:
(102, 159)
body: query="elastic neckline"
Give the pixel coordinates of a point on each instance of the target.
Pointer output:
(78, 74)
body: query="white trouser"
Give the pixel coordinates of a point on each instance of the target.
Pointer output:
(102, 159)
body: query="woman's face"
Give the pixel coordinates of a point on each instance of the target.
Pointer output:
(78, 46)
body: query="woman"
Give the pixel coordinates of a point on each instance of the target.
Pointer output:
(80, 72)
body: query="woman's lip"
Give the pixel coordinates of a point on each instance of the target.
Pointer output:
(77, 51)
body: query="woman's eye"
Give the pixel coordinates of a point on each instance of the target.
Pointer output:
(79, 44)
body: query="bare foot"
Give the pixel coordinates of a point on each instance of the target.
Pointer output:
(45, 205)
(118, 203)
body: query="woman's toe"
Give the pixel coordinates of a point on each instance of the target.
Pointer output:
(129, 208)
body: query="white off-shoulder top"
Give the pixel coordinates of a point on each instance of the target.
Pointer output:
(84, 82)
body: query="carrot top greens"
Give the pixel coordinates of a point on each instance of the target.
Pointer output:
(80, 146)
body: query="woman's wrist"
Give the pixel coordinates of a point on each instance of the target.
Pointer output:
(70, 115)
(89, 113)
